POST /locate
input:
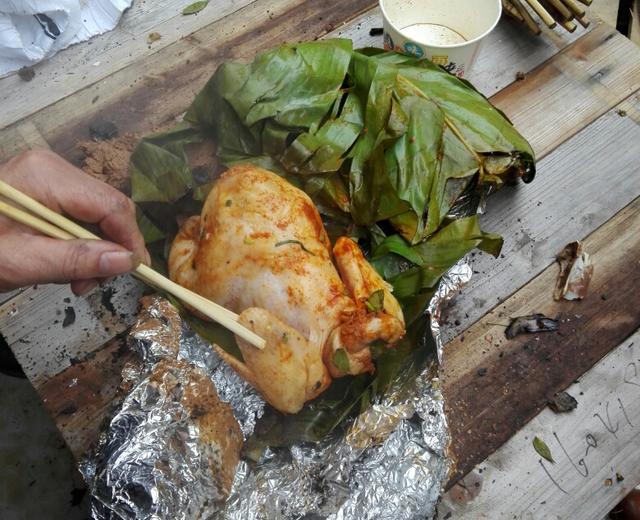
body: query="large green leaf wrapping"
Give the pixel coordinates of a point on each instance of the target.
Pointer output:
(407, 137)
(391, 149)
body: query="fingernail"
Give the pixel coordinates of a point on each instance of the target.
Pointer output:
(115, 262)
(147, 257)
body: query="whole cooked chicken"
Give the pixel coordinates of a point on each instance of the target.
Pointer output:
(260, 249)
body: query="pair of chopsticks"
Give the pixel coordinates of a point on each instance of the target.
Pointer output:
(55, 225)
(551, 12)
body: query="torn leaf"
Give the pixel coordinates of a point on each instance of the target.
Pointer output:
(532, 324)
(575, 275)
(195, 7)
(375, 303)
(542, 449)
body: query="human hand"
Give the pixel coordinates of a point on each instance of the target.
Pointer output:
(27, 257)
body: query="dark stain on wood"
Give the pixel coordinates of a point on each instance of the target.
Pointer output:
(81, 397)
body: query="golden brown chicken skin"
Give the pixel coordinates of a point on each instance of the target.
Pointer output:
(260, 249)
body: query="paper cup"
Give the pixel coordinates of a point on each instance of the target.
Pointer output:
(447, 32)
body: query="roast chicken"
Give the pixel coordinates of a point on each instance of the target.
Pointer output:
(260, 249)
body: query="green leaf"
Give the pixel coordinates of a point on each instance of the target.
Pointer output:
(195, 7)
(150, 232)
(340, 360)
(396, 244)
(543, 450)
(375, 302)
(437, 254)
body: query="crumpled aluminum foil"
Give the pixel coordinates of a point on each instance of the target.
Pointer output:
(391, 464)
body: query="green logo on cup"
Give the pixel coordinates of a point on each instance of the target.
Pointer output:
(414, 49)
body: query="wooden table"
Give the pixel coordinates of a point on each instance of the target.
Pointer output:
(579, 105)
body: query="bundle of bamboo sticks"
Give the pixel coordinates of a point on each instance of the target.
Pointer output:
(551, 12)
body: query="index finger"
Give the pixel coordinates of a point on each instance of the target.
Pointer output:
(64, 188)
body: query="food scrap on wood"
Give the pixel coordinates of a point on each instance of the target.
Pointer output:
(576, 271)
(531, 324)
(26, 73)
(562, 402)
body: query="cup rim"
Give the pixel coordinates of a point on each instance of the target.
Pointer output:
(452, 46)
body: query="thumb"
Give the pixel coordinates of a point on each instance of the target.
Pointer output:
(32, 259)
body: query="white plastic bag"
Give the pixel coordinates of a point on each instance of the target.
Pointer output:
(31, 30)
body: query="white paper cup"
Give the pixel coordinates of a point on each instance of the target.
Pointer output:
(447, 32)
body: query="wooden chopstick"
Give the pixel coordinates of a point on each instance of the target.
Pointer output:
(58, 226)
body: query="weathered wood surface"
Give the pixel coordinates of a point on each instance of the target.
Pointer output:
(493, 386)
(565, 202)
(48, 334)
(595, 448)
(561, 101)
(155, 90)
(87, 63)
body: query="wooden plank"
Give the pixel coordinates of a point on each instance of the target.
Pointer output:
(569, 198)
(592, 447)
(493, 386)
(83, 395)
(85, 64)
(577, 86)
(152, 92)
(44, 344)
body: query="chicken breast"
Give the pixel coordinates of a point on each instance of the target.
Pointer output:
(260, 249)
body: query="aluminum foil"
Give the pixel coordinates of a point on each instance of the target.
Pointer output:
(390, 464)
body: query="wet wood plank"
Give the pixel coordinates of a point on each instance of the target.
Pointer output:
(85, 393)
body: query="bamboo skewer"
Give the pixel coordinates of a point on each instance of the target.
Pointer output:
(58, 226)
(574, 8)
(569, 25)
(564, 11)
(542, 13)
(551, 12)
(584, 21)
(509, 8)
(528, 20)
